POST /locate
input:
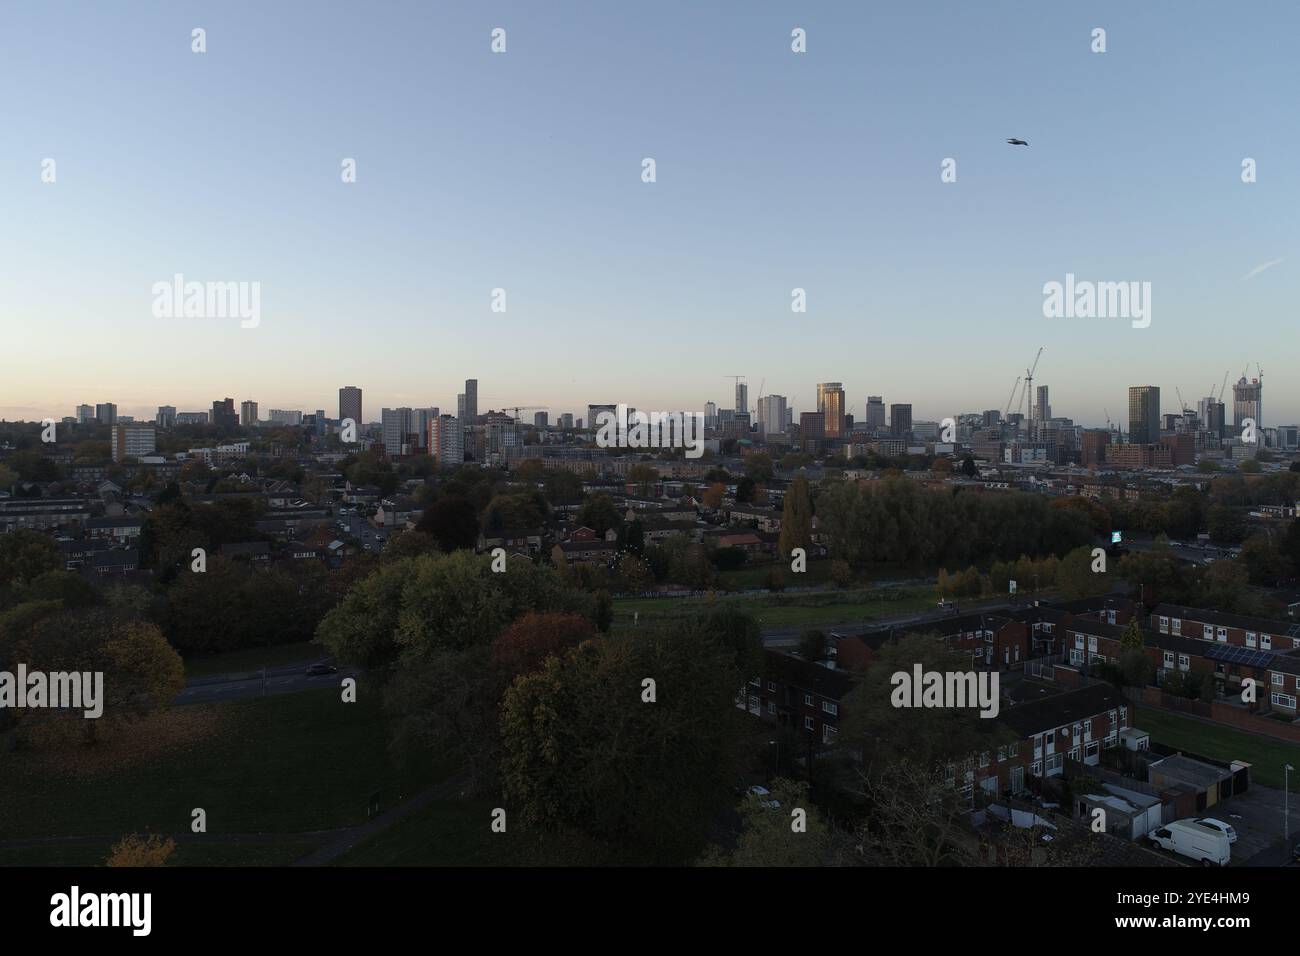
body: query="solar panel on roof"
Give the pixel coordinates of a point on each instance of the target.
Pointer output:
(1235, 654)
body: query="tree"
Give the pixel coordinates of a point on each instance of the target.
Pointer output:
(968, 467)
(452, 522)
(812, 645)
(1136, 667)
(796, 518)
(137, 850)
(599, 514)
(1250, 467)
(583, 752)
(525, 646)
(841, 573)
(1132, 636)
(713, 495)
(409, 544)
(25, 555)
(768, 838)
(774, 579)
(745, 489)
(1075, 578)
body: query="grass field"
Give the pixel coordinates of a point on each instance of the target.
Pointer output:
(285, 764)
(819, 574)
(1266, 755)
(784, 610)
(255, 658)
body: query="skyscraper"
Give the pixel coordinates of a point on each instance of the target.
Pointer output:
(1144, 414)
(248, 414)
(166, 416)
(397, 424)
(900, 420)
(742, 397)
(875, 413)
(1042, 407)
(830, 402)
(223, 413)
(447, 441)
(771, 414)
(106, 413)
(350, 404)
(1248, 402)
(471, 402)
(131, 441)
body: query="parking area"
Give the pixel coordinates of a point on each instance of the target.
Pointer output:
(1256, 815)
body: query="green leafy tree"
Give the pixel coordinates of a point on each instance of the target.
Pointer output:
(796, 518)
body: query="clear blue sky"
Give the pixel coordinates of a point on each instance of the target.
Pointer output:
(522, 171)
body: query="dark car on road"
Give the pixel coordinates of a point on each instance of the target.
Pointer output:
(315, 670)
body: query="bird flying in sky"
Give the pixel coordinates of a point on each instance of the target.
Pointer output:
(1017, 142)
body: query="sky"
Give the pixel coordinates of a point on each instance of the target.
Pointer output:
(522, 171)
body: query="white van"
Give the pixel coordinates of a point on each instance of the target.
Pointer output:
(1187, 838)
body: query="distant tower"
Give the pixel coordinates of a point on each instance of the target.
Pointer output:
(742, 397)
(830, 402)
(350, 403)
(1144, 414)
(471, 401)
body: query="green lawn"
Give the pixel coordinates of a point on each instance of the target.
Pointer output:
(1266, 755)
(282, 764)
(819, 574)
(255, 658)
(785, 610)
(460, 834)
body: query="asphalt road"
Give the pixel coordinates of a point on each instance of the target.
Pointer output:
(789, 636)
(277, 680)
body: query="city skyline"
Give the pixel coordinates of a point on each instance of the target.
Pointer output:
(775, 171)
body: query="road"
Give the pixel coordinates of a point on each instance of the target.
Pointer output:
(789, 636)
(288, 679)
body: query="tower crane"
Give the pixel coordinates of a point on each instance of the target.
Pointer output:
(1007, 413)
(1029, 382)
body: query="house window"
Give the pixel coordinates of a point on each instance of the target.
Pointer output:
(754, 707)
(771, 685)
(1110, 617)
(984, 758)
(1265, 642)
(807, 700)
(1251, 640)
(1208, 632)
(1074, 753)
(1111, 740)
(830, 708)
(1123, 717)
(1164, 625)
(807, 723)
(828, 733)
(1076, 656)
(1278, 679)
(1184, 662)
(1038, 745)
(1177, 625)
(1092, 643)
(755, 681)
(1169, 658)
(1078, 641)
(1036, 768)
(771, 709)
(1284, 700)
(1087, 727)
(1223, 634)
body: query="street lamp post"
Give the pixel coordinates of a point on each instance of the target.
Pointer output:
(777, 745)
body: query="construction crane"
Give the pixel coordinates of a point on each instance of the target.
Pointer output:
(1010, 398)
(519, 408)
(1029, 382)
(1181, 404)
(1223, 389)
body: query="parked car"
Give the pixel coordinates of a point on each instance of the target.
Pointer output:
(764, 796)
(316, 670)
(1193, 841)
(1219, 825)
